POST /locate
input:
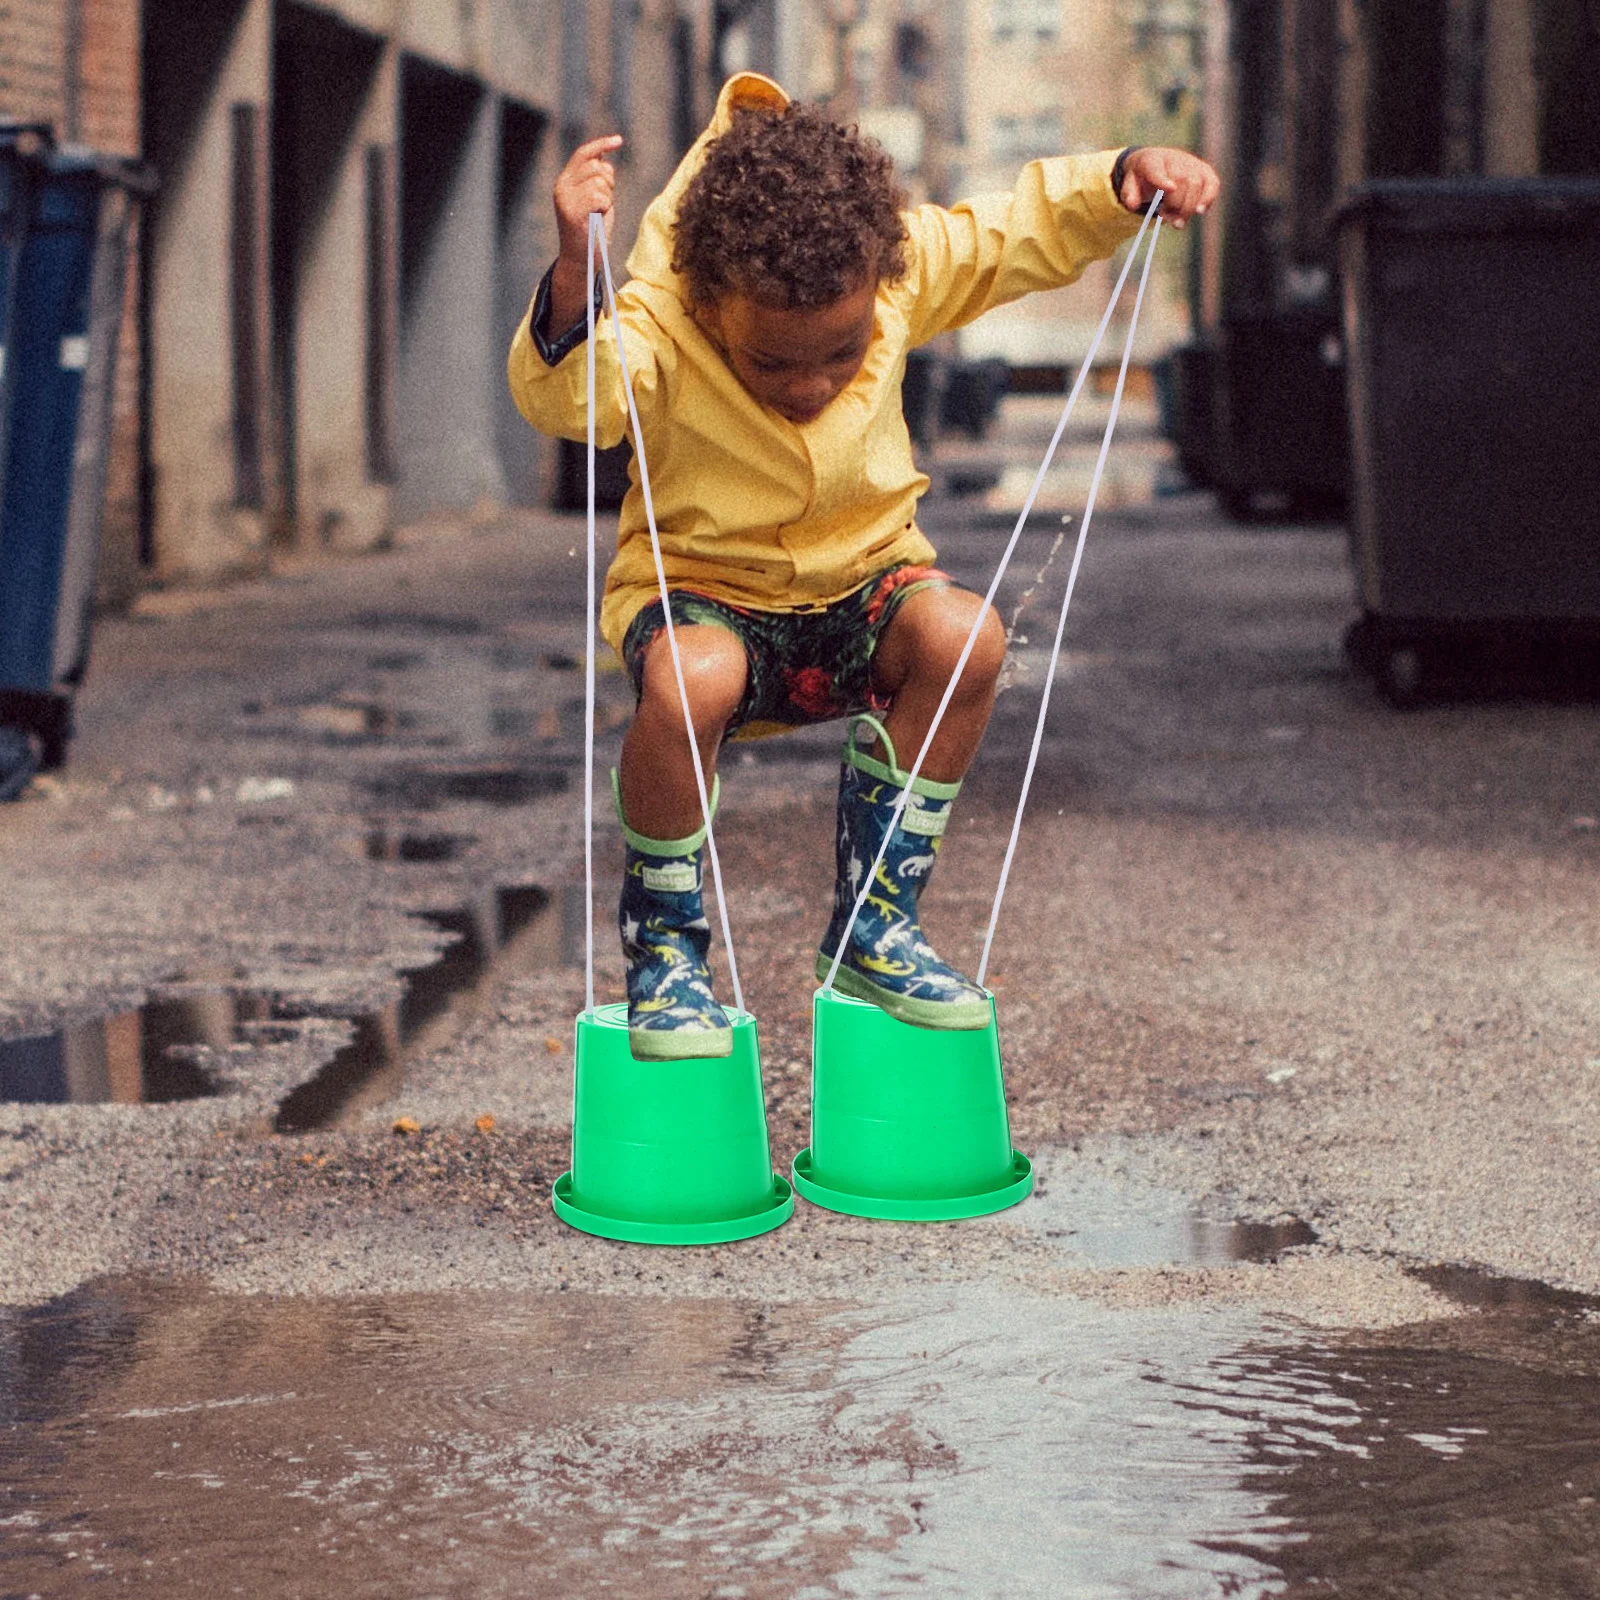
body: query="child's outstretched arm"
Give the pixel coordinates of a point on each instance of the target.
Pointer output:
(548, 379)
(1064, 213)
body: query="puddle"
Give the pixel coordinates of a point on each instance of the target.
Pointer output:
(385, 842)
(170, 1048)
(163, 1051)
(426, 788)
(437, 1000)
(973, 1444)
(1099, 1221)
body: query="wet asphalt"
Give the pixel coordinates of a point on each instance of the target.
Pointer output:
(1298, 1008)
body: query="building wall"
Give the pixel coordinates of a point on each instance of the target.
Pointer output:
(1059, 77)
(328, 283)
(33, 46)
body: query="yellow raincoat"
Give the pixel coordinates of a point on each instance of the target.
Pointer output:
(754, 509)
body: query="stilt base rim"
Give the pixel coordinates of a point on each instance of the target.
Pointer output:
(957, 1208)
(632, 1231)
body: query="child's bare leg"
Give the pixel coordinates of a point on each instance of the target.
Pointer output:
(913, 665)
(659, 796)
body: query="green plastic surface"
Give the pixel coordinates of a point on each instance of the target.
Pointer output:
(668, 1152)
(1018, 1186)
(906, 1123)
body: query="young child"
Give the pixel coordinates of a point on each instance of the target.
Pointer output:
(776, 286)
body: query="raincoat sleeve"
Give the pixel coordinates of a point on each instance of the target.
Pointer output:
(549, 377)
(1062, 215)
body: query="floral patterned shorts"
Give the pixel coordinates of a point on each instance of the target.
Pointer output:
(804, 666)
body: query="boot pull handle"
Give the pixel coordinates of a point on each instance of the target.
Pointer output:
(879, 730)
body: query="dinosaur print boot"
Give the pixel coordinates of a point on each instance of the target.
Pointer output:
(888, 960)
(672, 1013)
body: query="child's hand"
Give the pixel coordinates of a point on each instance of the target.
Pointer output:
(1190, 185)
(587, 183)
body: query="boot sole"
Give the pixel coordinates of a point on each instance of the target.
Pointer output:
(952, 1015)
(679, 1044)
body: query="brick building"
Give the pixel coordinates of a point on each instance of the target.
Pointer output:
(353, 207)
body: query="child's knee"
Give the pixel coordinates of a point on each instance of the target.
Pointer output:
(714, 672)
(950, 625)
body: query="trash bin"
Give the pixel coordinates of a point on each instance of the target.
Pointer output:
(1277, 429)
(919, 395)
(1473, 327)
(972, 394)
(611, 481)
(1185, 388)
(64, 215)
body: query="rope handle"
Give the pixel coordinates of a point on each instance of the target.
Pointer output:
(597, 236)
(994, 586)
(1066, 602)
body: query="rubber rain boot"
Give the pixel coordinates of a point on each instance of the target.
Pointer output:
(888, 960)
(672, 1013)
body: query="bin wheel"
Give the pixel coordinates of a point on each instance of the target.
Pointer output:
(1400, 674)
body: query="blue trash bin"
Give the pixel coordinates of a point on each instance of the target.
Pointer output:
(64, 216)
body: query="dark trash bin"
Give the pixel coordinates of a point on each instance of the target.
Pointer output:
(1277, 433)
(1473, 325)
(64, 215)
(611, 479)
(972, 394)
(919, 390)
(1185, 385)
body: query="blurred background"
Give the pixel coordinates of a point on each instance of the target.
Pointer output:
(345, 206)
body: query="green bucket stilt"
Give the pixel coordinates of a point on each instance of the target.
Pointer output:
(669, 1152)
(907, 1124)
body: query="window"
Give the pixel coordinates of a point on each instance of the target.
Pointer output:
(1022, 138)
(1039, 18)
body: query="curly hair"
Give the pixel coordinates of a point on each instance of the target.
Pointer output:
(790, 209)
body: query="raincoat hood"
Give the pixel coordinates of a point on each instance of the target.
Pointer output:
(651, 256)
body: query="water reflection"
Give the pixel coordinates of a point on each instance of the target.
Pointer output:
(165, 1050)
(370, 1068)
(170, 1048)
(1098, 1219)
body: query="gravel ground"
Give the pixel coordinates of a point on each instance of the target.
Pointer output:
(1270, 949)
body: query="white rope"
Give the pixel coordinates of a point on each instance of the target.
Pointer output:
(597, 233)
(988, 599)
(1061, 624)
(590, 644)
